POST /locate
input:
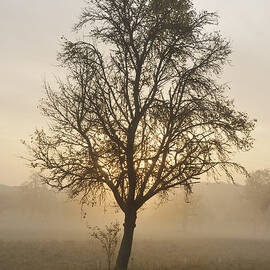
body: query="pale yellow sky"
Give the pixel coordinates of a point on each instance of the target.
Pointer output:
(30, 37)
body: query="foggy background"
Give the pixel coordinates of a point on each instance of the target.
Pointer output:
(32, 212)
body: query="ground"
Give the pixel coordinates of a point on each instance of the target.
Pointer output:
(181, 254)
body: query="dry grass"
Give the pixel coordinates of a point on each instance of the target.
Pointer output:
(184, 254)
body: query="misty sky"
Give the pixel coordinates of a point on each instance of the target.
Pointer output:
(30, 38)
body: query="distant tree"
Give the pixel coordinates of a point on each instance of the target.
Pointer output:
(34, 185)
(257, 189)
(257, 195)
(36, 199)
(140, 112)
(188, 209)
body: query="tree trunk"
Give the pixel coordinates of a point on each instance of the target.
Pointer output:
(126, 244)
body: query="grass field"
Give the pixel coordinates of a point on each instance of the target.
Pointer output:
(184, 254)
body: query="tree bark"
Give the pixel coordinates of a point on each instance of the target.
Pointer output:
(126, 244)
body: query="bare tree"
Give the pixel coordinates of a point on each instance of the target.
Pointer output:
(140, 112)
(108, 239)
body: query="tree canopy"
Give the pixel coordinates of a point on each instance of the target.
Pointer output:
(141, 111)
